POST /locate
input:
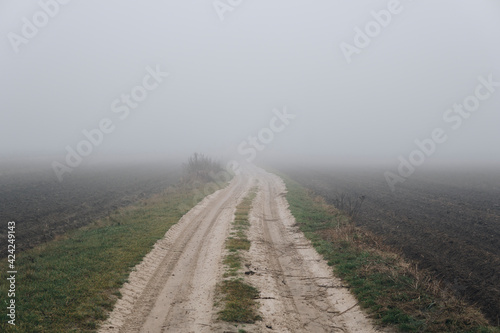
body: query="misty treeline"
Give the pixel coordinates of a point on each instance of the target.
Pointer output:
(200, 168)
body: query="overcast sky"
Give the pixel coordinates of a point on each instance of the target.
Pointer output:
(231, 63)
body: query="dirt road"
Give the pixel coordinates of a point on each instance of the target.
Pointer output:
(172, 289)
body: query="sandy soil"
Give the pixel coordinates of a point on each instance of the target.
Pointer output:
(172, 289)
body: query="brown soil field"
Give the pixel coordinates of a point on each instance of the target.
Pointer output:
(446, 221)
(43, 207)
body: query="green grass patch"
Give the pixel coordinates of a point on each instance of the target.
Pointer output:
(71, 283)
(236, 296)
(239, 299)
(233, 263)
(393, 291)
(236, 244)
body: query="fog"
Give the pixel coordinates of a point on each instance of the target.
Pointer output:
(250, 80)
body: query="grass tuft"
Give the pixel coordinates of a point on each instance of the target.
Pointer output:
(239, 299)
(239, 243)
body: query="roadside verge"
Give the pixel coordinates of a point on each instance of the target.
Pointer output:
(395, 292)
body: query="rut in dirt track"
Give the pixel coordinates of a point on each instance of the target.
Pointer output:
(298, 290)
(173, 290)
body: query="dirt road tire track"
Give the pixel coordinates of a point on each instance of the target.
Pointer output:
(171, 289)
(298, 290)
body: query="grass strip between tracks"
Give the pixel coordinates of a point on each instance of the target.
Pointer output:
(396, 293)
(69, 284)
(237, 297)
